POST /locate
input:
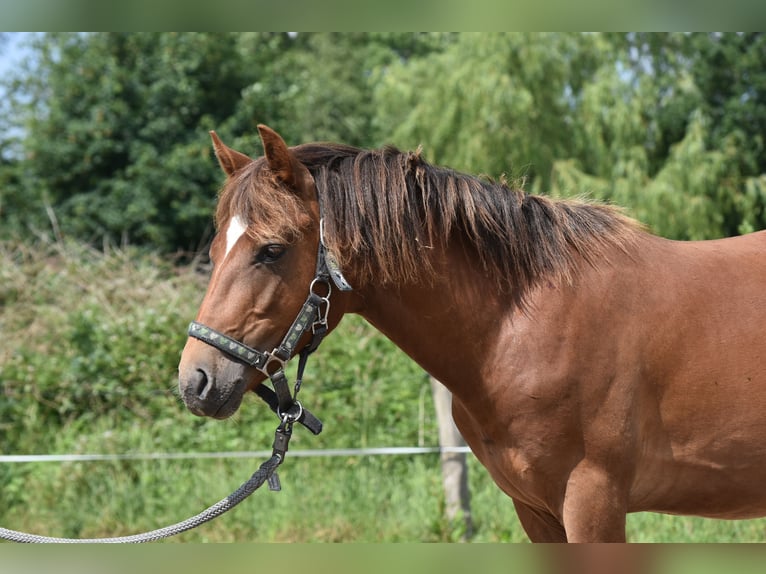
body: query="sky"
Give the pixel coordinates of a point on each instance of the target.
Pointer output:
(12, 53)
(12, 50)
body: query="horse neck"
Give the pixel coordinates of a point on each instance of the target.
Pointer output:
(442, 324)
(452, 325)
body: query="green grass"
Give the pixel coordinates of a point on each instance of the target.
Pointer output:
(91, 341)
(323, 500)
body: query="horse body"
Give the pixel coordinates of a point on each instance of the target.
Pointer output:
(705, 364)
(638, 387)
(632, 380)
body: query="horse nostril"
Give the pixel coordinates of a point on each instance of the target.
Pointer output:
(203, 384)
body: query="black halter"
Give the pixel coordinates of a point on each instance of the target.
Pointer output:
(313, 315)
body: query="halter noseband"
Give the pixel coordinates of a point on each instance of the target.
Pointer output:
(312, 315)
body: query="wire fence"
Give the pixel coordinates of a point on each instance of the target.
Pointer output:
(307, 453)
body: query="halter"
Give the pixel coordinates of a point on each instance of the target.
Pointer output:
(313, 315)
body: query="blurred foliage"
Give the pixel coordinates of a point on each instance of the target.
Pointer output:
(669, 126)
(111, 129)
(111, 134)
(104, 134)
(489, 102)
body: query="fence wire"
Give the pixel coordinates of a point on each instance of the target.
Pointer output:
(330, 452)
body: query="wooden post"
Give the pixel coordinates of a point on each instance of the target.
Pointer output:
(454, 467)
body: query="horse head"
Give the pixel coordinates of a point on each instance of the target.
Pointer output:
(264, 259)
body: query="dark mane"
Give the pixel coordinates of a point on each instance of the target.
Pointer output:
(384, 208)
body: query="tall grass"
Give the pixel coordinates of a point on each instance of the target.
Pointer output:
(91, 341)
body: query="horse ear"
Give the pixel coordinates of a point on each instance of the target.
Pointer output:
(280, 159)
(230, 160)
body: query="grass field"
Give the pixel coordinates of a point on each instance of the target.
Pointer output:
(332, 500)
(91, 341)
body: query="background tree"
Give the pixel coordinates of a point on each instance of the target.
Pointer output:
(654, 138)
(634, 119)
(490, 102)
(106, 132)
(114, 125)
(319, 87)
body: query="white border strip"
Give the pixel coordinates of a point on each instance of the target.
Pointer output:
(381, 451)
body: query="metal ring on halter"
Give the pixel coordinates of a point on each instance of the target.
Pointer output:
(289, 417)
(323, 281)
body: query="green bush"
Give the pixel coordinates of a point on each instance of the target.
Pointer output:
(88, 334)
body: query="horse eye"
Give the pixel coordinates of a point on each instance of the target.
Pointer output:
(270, 253)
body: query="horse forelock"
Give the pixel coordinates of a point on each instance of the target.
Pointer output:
(384, 208)
(268, 210)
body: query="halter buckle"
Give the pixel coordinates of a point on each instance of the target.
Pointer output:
(331, 263)
(272, 358)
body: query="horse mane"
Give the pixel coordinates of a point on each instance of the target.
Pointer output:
(384, 208)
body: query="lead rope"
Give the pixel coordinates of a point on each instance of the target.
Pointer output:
(266, 472)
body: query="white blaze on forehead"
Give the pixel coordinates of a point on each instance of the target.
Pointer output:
(235, 230)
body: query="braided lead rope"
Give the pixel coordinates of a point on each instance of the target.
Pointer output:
(264, 472)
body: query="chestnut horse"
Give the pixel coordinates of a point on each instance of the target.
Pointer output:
(596, 369)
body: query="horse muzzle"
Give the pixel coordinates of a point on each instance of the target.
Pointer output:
(212, 388)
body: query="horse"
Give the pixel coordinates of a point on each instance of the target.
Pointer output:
(596, 369)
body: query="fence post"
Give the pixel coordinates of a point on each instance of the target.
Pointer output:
(454, 466)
